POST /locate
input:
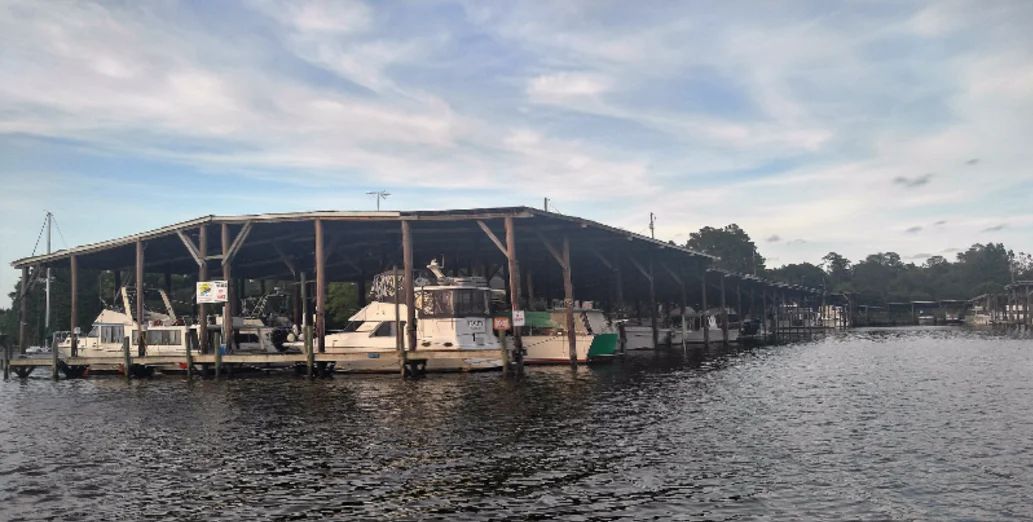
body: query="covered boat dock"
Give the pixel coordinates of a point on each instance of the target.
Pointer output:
(540, 255)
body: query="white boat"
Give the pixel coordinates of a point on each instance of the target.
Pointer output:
(695, 324)
(452, 314)
(166, 335)
(545, 340)
(638, 335)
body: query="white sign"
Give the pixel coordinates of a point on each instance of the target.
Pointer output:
(211, 292)
(518, 318)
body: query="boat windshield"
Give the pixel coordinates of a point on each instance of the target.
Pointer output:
(453, 302)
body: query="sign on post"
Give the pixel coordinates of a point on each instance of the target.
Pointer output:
(500, 323)
(212, 292)
(518, 318)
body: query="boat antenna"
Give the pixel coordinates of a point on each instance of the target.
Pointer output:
(652, 225)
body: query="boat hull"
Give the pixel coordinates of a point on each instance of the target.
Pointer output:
(641, 337)
(555, 349)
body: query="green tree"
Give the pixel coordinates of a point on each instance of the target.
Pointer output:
(800, 274)
(838, 269)
(732, 244)
(342, 302)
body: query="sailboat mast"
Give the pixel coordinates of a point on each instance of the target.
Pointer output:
(46, 319)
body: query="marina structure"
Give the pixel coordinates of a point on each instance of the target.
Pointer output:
(537, 256)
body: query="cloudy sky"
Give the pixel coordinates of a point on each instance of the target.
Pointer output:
(817, 126)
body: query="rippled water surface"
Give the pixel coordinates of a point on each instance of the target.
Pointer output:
(875, 425)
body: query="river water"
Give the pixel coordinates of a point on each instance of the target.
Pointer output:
(927, 424)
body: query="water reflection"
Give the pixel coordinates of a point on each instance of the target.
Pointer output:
(929, 423)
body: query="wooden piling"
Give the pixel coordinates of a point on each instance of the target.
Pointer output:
(654, 326)
(74, 305)
(126, 360)
(310, 356)
(141, 336)
(320, 287)
(568, 292)
(704, 315)
(201, 308)
(619, 296)
(514, 298)
(23, 312)
(399, 338)
(724, 313)
(764, 315)
(684, 320)
(410, 287)
(227, 308)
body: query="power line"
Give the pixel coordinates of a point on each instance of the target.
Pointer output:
(59, 233)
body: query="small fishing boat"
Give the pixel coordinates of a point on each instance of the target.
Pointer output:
(545, 341)
(452, 314)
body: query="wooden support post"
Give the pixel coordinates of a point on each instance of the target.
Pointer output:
(320, 287)
(410, 289)
(118, 284)
(360, 289)
(704, 313)
(54, 356)
(653, 306)
(568, 291)
(23, 312)
(764, 315)
(126, 360)
(399, 338)
(74, 273)
(227, 309)
(202, 275)
(738, 302)
(684, 320)
(514, 297)
(724, 313)
(141, 337)
(310, 356)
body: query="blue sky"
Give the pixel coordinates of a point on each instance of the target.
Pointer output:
(818, 126)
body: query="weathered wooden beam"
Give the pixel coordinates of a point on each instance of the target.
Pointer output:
(494, 239)
(514, 292)
(568, 291)
(74, 337)
(552, 250)
(140, 319)
(410, 291)
(673, 275)
(648, 274)
(187, 242)
(202, 275)
(286, 260)
(602, 258)
(238, 242)
(320, 287)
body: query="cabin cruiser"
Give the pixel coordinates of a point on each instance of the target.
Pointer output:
(452, 314)
(545, 341)
(166, 335)
(638, 334)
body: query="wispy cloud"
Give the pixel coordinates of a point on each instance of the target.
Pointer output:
(913, 230)
(793, 120)
(996, 228)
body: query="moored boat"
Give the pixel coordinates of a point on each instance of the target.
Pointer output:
(545, 339)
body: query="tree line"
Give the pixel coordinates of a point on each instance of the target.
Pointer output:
(879, 278)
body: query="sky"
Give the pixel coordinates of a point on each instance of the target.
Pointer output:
(853, 126)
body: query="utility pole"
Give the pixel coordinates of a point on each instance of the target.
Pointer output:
(652, 226)
(379, 195)
(46, 317)
(546, 204)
